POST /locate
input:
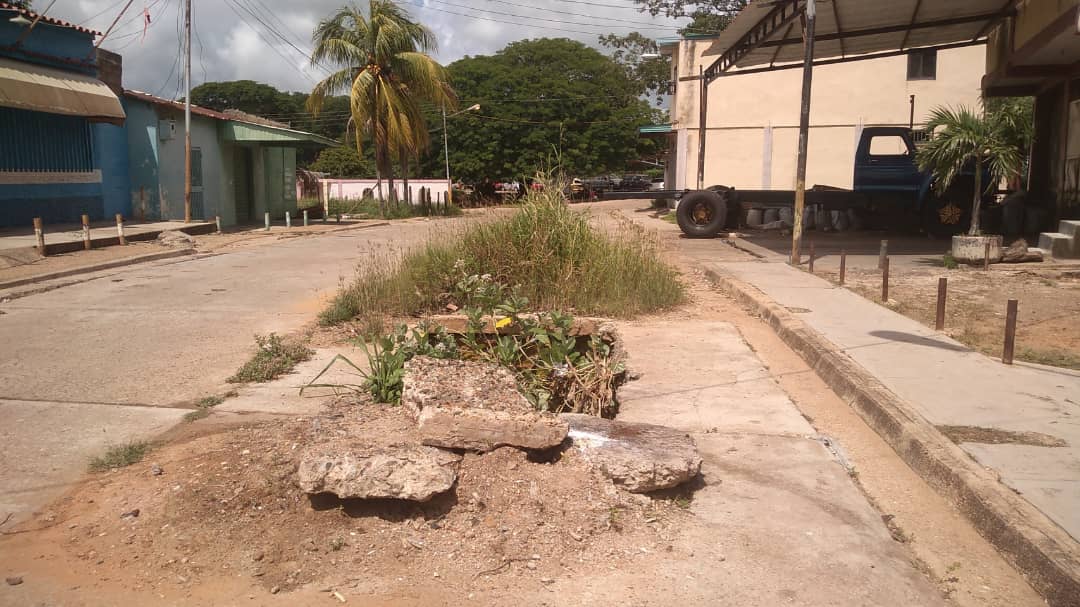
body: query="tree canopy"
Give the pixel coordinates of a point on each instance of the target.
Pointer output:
(542, 100)
(266, 101)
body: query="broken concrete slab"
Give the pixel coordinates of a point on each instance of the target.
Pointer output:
(414, 473)
(637, 457)
(476, 406)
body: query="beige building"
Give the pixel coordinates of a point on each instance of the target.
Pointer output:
(753, 118)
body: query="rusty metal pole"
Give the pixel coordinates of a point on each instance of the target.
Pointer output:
(885, 282)
(942, 292)
(843, 266)
(804, 129)
(1010, 332)
(986, 257)
(703, 106)
(120, 228)
(811, 266)
(86, 232)
(39, 234)
(883, 254)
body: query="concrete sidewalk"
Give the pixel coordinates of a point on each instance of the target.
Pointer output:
(949, 384)
(55, 235)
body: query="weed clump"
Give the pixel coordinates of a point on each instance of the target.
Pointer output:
(274, 357)
(550, 253)
(119, 456)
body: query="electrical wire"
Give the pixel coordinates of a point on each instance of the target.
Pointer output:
(560, 21)
(233, 7)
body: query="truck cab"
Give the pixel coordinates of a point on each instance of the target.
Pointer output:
(885, 163)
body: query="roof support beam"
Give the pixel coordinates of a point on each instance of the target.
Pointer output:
(839, 28)
(988, 17)
(914, 16)
(782, 14)
(820, 62)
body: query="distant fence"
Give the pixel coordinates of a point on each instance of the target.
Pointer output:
(351, 189)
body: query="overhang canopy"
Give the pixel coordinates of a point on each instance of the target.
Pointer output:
(248, 132)
(768, 33)
(655, 129)
(38, 88)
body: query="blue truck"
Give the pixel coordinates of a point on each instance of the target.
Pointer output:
(889, 192)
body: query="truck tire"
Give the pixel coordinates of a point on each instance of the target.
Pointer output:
(702, 214)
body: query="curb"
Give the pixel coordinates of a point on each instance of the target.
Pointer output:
(108, 265)
(1037, 547)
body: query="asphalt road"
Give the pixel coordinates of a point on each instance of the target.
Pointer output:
(108, 360)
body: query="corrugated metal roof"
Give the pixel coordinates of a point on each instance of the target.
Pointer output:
(768, 32)
(44, 89)
(31, 15)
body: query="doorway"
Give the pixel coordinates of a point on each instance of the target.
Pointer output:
(244, 186)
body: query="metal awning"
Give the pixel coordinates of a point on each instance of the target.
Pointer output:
(768, 33)
(27, 86)
(249, 132)
(654, 129)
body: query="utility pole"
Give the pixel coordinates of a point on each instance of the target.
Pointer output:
(446, 149)
(187, 111)
(703, 103)
(804, 131)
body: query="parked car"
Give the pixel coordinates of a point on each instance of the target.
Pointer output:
(657, 184)
(635, 183)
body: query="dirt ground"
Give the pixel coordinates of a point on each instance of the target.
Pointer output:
(225, 523)
(1048, 306)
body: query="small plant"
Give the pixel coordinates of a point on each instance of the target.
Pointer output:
(336, 544)
(197, 414)
(274, 357)
(211, 401)
(119, 456)
(949, 261)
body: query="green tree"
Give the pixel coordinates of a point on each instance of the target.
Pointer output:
(383, 64)
(244, 95)
(343, 161)
(541, 100)
(707, 16)
(965, 137)
(652, 74)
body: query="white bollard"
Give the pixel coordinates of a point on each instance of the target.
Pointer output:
(266, 217)
(305, 218)
(217, 221)
(288, 219)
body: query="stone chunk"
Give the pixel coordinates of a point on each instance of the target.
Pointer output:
(413, 473)
(476, 406)
(176, 239)
(637, 457)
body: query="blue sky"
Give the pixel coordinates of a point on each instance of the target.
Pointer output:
(233, 38)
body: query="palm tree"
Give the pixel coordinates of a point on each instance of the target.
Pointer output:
(967, 138)
(383, 64)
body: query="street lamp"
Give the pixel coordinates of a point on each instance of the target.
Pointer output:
(446, 147)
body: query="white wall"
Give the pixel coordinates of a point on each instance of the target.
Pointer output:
(354, 188)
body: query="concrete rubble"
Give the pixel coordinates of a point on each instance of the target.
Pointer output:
(474, 406)
(413, 473)
(636, 457)
(176, 239)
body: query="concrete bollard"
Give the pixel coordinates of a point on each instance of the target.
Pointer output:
(86, 232)
(883, 254)
(885, 281)
(1010, 332)
(986, 257)
(266, 218)
(288, 219)
(39, 234)
(338, 217)
(942, 291)
(217, 222)
(843, 266)
(120, 228)
(305, 218)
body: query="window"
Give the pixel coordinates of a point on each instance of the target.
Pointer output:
(922, 65)
(888, 145)
(47, 143)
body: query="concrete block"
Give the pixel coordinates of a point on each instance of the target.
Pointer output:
(1060, 246)
(1069, 227)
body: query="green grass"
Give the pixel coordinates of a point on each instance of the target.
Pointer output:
(1050, 357)
(274, 357)
(670, 217)
(369, 207)
(197, 414)
(549, 251)
(119, 456)
(949, 261)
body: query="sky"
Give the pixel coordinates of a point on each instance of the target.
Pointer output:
(246, 39)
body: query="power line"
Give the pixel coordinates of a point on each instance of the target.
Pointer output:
(232, 6)
(640, 24)
(532, 18)
(176, 61)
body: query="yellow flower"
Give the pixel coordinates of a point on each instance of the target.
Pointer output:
(502, 322)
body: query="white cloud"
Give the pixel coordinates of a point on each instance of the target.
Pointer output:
(231, 49)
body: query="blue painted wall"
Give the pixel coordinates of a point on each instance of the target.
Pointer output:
(47, 44)
(111, 151)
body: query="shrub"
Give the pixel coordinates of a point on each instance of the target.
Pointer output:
(119, 456)
(274, 357)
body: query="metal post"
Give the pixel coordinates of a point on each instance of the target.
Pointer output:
(120, 228)
(305, 218)
(288, 219)
(986, 256)
(804, 129)
(942, 292)
(187, 111)
(1010, 332)
(883, 254)
(446, 151)
(811, 267)
(86, 232)
(885, 282)
(266, 219)
(911, 119)
(39, 234)
(217, 222)
(843, 266)
(703, 105)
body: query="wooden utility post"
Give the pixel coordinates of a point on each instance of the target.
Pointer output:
(187, 111)
(804, 130)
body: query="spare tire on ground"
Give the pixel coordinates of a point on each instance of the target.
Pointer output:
(702, 214)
